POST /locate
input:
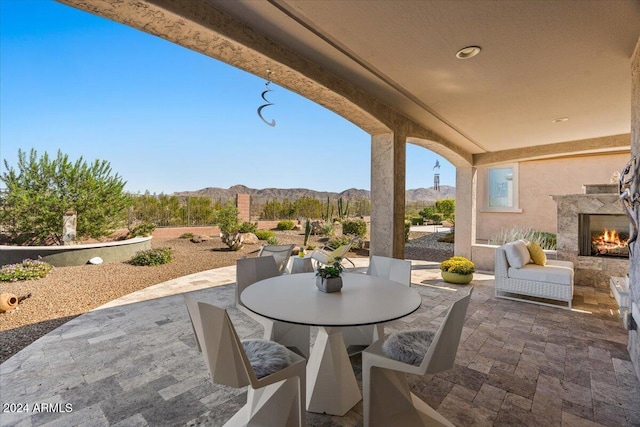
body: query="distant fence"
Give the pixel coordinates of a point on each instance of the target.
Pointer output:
(196, 211)
(173, 211)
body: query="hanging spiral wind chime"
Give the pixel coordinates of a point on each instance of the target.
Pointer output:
(271, 123)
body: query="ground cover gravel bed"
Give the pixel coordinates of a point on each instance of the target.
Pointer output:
(70, 291)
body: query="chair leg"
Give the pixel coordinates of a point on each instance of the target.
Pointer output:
(289, 335)
(277, 404)
(362, 335)
(388, 401)
(352, 264)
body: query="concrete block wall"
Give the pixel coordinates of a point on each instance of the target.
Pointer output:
(243, 203)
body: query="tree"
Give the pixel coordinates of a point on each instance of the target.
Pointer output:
(227, 220)
(42, 189)
(447, 207)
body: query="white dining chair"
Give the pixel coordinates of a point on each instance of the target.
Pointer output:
(281, 254)
(252, 270)
(275, 376)
(398, 270)
(388, 399)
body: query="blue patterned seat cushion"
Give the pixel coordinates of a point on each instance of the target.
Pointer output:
(408, 346)
(266, 357)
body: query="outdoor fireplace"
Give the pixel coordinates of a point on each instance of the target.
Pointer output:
(582, 222)
(603, 235)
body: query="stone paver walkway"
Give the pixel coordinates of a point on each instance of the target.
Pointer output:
(133, 362)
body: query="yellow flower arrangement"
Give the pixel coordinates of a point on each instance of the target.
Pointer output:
(458, 265)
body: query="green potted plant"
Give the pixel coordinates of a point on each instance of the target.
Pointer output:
(328, 278)
(457, 270)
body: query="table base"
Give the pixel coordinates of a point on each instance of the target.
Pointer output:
(331, 384)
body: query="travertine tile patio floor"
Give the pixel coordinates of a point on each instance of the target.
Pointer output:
(133, 362)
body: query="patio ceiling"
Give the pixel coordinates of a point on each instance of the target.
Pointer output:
(540, 61)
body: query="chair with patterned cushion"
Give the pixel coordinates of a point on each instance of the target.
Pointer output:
(281, 253)
(252, 270)
(388, 400)
(398, 270)
(275, 375)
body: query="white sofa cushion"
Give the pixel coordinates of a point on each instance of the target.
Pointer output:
(517, 254)
(550, 273)
(559, 263)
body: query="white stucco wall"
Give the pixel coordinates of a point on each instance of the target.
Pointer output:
(537, 181)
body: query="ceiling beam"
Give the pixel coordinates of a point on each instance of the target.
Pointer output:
(606, 144)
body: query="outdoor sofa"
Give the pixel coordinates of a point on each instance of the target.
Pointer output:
(517, 276)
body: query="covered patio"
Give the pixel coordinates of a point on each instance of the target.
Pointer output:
(134, 361)
(393, 72)
(538, 87)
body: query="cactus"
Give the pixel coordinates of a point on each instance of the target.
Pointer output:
(343, 211)
(307, 231)
(326, 217)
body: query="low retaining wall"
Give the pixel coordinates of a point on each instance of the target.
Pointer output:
(66, 256)
(175, 232)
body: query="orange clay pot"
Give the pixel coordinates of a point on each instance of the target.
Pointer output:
(8, 302)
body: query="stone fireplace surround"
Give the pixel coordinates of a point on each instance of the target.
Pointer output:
(589, 270)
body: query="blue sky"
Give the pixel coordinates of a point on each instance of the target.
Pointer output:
(166, 118)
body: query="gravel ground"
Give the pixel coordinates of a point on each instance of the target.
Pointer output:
(70, 291)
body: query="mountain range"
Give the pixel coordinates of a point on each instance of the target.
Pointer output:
(426, 195)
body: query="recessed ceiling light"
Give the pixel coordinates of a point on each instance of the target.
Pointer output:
(468, 52)
(561, 119)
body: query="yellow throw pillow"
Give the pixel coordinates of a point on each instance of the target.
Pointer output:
(537, 254)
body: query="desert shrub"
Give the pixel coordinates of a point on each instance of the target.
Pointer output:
(143, 229)
(458, 264)
(436, 217)
(448, 238)
(407, 229)
(26, 270)
(338, 241)
(264, 234)
(150, 257)
(417, 220)
(273, 240)
(248, 227)
(447, 207)
(227, 219)
(327, 229)
(355, 227)
(544, 239)
(286, 225)
(186, 236)
(41, 189)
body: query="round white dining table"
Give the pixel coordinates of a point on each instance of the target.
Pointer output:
(363, 300)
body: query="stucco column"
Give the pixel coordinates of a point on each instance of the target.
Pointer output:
(466, 187)
(634, 259)
(388, 163)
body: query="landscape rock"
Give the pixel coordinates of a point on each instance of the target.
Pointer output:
(96, 260)
(316, 227)
(200, 239)
(250, 239)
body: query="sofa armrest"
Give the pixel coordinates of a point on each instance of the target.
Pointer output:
(501, 264)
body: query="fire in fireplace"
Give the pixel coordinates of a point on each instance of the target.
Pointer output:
(603, 235)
